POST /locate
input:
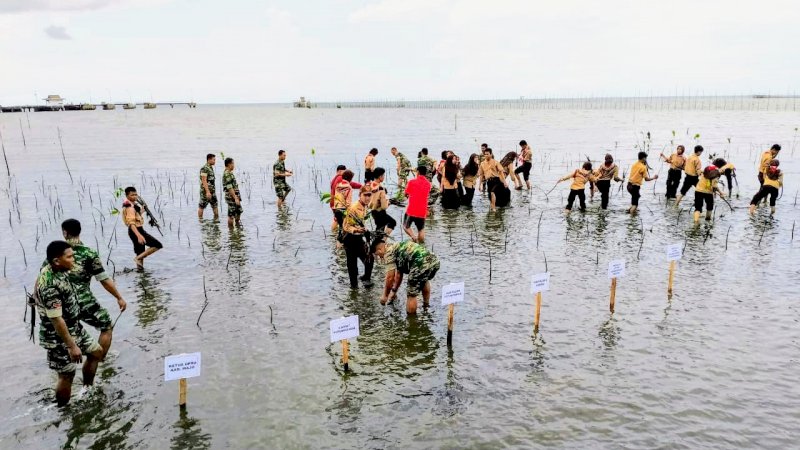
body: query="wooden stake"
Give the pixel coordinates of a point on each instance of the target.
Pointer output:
(182, 393)
(613, 294)
(345, 354)
(538, 311)
(671, 277)
(450, 312)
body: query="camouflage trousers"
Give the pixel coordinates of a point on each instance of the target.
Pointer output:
(402, 182)
(282, 189)
(421, 274)
(58, 355)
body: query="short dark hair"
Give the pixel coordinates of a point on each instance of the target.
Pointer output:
(56, 249)
(424, 151)
(484, 145)
(378, 172)
(522, 143)
(642, 155)
(776, 147)
(210, 156)
(280, 152)
(587, 166)
(129, 189)
(487, 149)
(444, 154)
(228, 161)
(698, 149)
(341, 167)
(72, 227)
(422, 170)
(347, 175)
(373, 152)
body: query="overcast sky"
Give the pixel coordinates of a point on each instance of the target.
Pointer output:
(275, 51)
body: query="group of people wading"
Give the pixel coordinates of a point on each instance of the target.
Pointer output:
(65, 302)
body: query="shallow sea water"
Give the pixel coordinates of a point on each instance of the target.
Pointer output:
(714, 367)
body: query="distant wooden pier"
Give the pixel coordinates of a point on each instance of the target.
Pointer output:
(90, 106)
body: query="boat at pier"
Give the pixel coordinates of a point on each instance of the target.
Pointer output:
(129, 106)
(149, 106)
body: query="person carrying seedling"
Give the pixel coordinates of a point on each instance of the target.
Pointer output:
(773, 180)
(704, 192)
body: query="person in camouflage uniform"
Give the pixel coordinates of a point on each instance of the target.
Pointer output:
(430, 163)
(232, 197)
(403, 169)
(208, 189)
(279, 174)
(407, 257)
(88, 265)
(60, 330)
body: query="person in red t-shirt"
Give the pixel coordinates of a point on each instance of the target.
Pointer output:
(336, 180)
(417, 191)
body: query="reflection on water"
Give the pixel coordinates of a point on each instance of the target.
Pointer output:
(99, 420)
(236, 264)
(211, 241)
(609, 333)
(188, 434)
(152, 300)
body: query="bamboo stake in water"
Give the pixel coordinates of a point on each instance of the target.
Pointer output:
(450, 312)
(345, 354)
(182, 393)
(671, 277)
(613, 294)
(538, 312)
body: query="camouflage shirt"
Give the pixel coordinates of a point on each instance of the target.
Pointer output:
(279, 167)
(56, 297)
(428, 162)
(209, 172)
(228, 183)
(403, 165)
(406, 255)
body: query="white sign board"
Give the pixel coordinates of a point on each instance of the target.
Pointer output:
(540, 282)
(185, 365)
(344, 328)
(453, 293)
(674, 252)
(616, 269)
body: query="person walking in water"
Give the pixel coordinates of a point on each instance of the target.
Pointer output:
(639, 174)
(208, 189)
(232, 196)
(773, 181)
(470, 176)
(369, 165)
(337, 219)
(132, 218)
(579, 179)
(380, 203)
(403, 169)
(417, 191)
(676, 163)
(704, 192)
(692, 169)
(604, 174)
(87, 266)
(412, 259)
(355, 246)
(766, 157)
(491, 172)
(450, 183)
(279, 174)
(526, 160)
(60, 329)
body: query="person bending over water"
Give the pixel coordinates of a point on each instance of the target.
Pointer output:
(773, 180)
(704, 192)
(412, 259)
(578, 187)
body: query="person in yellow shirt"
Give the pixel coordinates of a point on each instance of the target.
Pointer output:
(766, 157)
(676, 162)
(638, 176)
(773, 180)
(704, 192)
(605, 173)
(728, 170)
(355, 247)
(692, 169)
(578, 187)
